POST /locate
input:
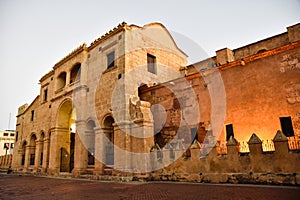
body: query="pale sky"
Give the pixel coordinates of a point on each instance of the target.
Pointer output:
(36, 34)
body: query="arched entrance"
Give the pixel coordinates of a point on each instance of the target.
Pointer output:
(32, 146)
(109, 146)
(90, 133)
(65, 136)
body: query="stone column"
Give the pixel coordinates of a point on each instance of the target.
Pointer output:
(17, 159)
(46, 152)
(58, 136)
(27, 157)
(68, 77)
(99, 151)
(80, 151)
(38, 150)
(122, 160)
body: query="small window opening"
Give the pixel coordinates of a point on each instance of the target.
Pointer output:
(32, 115)
(110, 60)
(45, 95)
(151, 64)
(287, 126)
(75, 73)
(229, 131)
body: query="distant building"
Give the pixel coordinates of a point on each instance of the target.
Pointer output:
(109, 107)
(7, 140)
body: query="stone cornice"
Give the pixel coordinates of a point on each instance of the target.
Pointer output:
(112, 32)
(47, 76)
(260, 55)
(71, 55)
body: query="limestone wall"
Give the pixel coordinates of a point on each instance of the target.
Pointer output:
(277, 167)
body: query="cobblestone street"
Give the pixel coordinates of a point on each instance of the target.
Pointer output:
(30, 187)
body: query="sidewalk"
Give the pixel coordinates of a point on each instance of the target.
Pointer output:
(31, 187)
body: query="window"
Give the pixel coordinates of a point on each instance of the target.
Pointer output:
(12, 134)
(12, 145)
(151, 64)
(17, 135)
(61, 80)
(5, 134)
(75, 73)
(23, 159)
(287, 126)
(229, 131)
(91, 158)
(110, 60)
(45, 94)
(32, 156)
(41, 159)
(32, 115)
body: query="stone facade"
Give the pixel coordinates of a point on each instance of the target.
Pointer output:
(129, 105)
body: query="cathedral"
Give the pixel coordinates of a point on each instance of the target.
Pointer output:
(129, 104)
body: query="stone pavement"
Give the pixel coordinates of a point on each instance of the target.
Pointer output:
(31, 187)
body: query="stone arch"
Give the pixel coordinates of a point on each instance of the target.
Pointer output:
(64, 144)
(64, 113)
(42, 135)
(261, 51)
(108, 130)
(75, 73)
(32, 148)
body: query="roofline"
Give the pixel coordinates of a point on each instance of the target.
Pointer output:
(121, 27)
(29, 106)
(75, 52)
(50, 73)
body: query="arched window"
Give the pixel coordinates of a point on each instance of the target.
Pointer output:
(75, 73)
(261, 51)
(109, 147)
(32, 149)
(61, 80)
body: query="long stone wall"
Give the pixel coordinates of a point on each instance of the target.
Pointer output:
(274, 167)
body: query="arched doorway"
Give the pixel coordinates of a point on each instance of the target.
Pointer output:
(91, 142)
(109, 146)
(32, 145)
(65, 134)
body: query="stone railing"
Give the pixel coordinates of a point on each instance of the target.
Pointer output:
(267, 146)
